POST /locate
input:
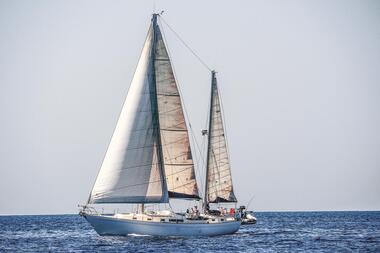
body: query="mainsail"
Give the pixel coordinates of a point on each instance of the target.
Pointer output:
(149, 158)
(177, 158)
(218, 176)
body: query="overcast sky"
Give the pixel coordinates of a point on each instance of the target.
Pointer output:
(300, 82)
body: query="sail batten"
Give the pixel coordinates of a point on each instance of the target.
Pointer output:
(219, 186)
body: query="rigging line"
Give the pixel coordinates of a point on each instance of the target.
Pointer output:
(202, 166)
(202, 158)
(172, 174)
(180, 94)
(187, 46)
(179, 88)
(125, 187)
(200, 155)
(197, 163)
(205, 147)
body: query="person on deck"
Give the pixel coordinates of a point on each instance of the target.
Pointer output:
(232, 212)
(196, 211)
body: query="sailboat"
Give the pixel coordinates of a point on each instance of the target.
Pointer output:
(149, 159)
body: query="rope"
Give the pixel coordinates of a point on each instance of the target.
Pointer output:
(187, 46)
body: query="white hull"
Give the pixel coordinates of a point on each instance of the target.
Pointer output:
(110, 225)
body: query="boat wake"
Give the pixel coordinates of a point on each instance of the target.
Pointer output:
(138, 235)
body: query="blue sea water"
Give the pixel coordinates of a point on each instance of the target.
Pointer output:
(274, 232)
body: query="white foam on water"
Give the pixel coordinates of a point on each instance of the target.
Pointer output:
(137, 235)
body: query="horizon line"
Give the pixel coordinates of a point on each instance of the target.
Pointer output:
(267, 211)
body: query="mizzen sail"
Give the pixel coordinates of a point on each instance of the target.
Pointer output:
(218, 178)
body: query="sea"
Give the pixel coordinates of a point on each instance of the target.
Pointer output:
(274, 232)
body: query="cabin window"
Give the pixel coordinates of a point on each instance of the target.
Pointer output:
(213, 219)
(149, 218)
(175, 220)
(134, 218)
(162, 220)
(222, 219)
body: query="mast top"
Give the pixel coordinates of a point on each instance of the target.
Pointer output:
(213, 77)
(155, 15)
(154, 18)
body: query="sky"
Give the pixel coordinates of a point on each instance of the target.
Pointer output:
(299, 82)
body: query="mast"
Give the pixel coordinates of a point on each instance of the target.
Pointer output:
(154, 105)
(155, 109)
(206, 199)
